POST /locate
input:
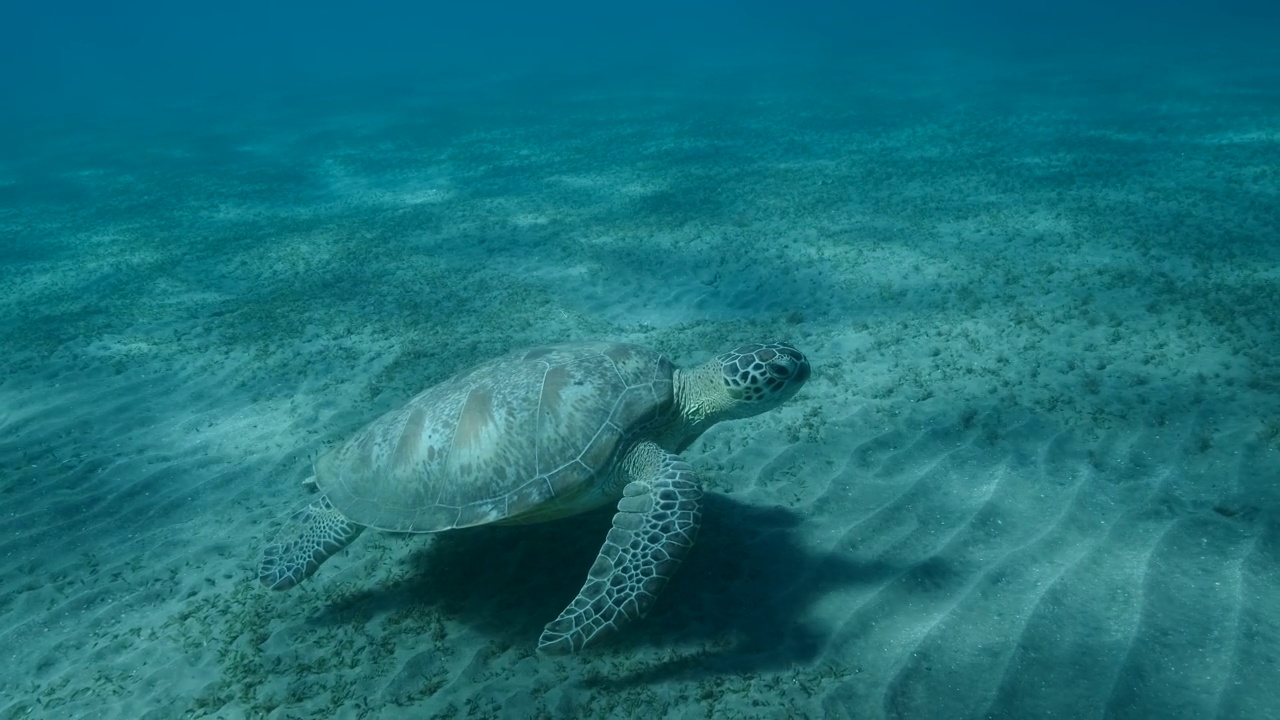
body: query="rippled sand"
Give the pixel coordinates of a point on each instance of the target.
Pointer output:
(1035, 473)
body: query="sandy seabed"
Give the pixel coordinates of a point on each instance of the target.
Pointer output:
(1036, 472)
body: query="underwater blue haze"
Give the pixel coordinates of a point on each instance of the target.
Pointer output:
(1018, 458)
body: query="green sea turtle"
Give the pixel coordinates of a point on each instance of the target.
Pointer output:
(538, 435)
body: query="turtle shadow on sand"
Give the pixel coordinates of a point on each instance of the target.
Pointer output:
(742, 594)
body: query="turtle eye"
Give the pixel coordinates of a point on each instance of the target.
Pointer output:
(779, 370)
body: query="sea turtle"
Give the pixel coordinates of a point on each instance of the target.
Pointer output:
(537, 435)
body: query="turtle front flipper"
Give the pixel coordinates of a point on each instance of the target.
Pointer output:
(656, 523)
(313, 535)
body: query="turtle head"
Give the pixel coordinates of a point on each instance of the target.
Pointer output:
(760, 376)
(746, 381)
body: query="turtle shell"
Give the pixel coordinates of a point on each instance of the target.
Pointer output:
(527, 437)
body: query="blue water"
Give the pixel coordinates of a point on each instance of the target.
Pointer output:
(1032, 251)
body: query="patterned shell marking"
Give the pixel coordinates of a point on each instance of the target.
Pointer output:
(529, 433)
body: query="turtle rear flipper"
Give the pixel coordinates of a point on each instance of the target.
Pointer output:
(656, 524)
(313, 535)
